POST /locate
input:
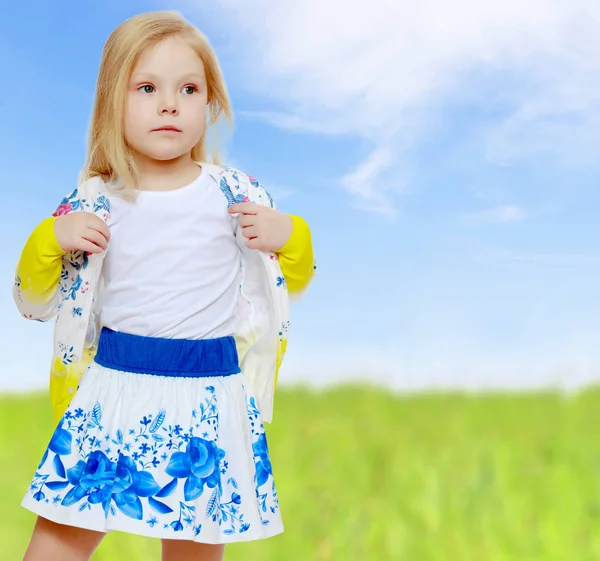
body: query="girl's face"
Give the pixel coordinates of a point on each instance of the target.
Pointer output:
(165, 110)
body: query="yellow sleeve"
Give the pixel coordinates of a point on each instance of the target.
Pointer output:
(296, 257)
(38, 273)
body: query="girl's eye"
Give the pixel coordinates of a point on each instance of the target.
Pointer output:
(189, 90)
(146, 89)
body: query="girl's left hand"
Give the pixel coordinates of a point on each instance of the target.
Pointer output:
(266, 229)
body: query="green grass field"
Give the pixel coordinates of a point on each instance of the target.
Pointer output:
(364, 475)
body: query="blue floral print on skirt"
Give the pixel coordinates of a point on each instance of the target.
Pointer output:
(173, 448)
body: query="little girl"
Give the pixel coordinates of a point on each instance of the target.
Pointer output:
(170, 278)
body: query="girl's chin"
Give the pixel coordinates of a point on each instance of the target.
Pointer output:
(164, 155)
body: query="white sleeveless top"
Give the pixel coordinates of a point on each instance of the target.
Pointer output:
(172, 267)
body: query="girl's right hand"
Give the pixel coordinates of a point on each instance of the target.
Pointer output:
(81, 231)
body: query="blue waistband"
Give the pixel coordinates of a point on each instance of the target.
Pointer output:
(167, 357)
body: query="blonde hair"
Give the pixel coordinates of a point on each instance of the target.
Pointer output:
(109, 155)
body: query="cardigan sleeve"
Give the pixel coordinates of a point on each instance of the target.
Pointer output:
(38, 271)
(296, 259)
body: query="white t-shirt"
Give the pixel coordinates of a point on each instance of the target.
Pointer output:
(172, 266)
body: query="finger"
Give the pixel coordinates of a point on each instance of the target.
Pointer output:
(250, 232)
(243, 208)
(95, 237)
(254, 243)
(100, 226)
(89, 247)
(246, 220)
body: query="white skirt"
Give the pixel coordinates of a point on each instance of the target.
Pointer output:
(158, 456)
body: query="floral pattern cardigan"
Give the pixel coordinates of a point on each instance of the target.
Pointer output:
(51, 283)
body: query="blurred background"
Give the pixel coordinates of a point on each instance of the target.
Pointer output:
(438, 400)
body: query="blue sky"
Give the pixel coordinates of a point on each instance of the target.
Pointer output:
(448, 172)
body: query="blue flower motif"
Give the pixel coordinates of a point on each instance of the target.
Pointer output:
(226, 190)
(72, 292)
(102, 203)
(61, 441)
(263, 462)
(93, 479)
(198, 465)
(101, 480)
(131, 484)
(43, 460)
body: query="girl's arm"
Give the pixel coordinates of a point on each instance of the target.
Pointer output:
(36, 289)
(296, 259)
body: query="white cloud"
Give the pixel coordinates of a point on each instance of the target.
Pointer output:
(362, 182)
(383, 70)
(499, 214)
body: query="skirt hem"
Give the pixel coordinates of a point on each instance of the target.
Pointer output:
(274, 528)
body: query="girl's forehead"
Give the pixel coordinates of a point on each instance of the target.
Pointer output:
(170, 55)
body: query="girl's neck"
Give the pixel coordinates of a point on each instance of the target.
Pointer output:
(158, 175)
